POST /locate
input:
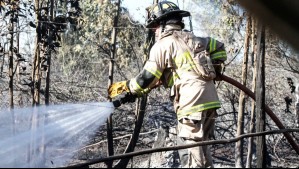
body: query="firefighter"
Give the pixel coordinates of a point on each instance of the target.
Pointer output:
(195, 98)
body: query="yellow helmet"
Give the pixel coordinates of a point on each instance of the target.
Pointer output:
(163, 11)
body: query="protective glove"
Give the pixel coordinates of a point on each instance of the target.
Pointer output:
(219, 68)
(218, 78)
(118, 88)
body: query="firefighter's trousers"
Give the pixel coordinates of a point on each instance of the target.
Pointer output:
(192, 131)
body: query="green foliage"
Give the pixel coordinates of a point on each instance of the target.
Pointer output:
(95, 34)
(85, 53)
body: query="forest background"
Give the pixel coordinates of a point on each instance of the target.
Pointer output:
(57, 52)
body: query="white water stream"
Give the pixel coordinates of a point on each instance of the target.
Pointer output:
(48, 136)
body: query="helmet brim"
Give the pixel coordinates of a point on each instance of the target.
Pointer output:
(156, 22)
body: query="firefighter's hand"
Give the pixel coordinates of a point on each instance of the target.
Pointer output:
(118, 88)
(218, 77)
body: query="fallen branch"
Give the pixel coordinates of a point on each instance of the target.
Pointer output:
(103, 141)
(160, 149)
(117, 138)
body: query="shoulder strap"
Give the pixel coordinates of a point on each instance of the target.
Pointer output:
(199, 54)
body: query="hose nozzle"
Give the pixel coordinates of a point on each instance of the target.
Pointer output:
(116, 103)
(128, 98)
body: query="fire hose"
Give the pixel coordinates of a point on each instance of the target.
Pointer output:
(267, 109)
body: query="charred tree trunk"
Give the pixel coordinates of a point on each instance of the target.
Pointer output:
(35, 90)
(18, 48)
(48, 54)
(252, 115)
(11, 67)
(240, 127)
(11, 60)
(2, 56)
(140, 107)
(260, 97)
(111, 69)
(140, 111)
(36, 62)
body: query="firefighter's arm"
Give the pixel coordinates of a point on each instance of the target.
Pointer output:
(141, 84)
(218, 55)
(216, 50)
(146, 80)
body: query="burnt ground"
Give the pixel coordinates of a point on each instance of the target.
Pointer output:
(280, 154)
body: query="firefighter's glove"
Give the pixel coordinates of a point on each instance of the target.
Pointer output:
(219, 69)
(118, 88)
(218, 77)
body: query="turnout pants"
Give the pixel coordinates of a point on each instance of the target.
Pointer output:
(193, 131)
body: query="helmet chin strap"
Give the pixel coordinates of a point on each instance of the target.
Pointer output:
(161, 29)
(163, 25)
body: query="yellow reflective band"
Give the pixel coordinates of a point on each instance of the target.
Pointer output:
(139, 90)
(137, 85)
(179, 60)
(188, 57)
(198, 108)
(184, 63)
(212, 45)
(217, 55)
(184, 58)
(154, 71)
(187, 67)
(171, 81)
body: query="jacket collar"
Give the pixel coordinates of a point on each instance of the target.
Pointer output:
(169, 30)
(172, 27)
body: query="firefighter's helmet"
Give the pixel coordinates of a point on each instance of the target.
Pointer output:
(162, 11)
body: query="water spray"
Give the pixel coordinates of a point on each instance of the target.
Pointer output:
(34, 137)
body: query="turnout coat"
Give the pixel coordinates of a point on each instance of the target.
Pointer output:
(170, 63)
